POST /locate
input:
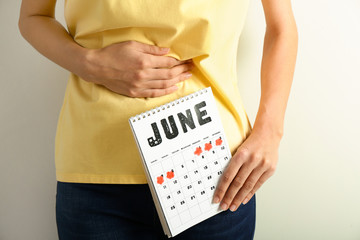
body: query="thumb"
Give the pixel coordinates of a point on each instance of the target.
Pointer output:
(152, 49)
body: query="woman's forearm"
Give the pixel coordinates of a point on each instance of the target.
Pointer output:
(278, 63)
(50, 38)
(256, 158)
(128, 68)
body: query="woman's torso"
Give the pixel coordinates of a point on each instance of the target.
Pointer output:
(94, 142)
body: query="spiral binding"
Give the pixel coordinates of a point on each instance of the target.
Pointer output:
(168, 105)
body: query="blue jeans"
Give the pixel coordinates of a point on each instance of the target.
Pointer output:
(124, 211)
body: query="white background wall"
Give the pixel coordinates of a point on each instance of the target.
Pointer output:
(315, 191)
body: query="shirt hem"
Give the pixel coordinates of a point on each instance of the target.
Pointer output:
(105, 179)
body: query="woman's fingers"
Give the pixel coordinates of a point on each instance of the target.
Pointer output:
(259, 183)
(241, 181)
(167, 73)
(149, 49)
(164, 61)
(142, 84)
(136, 69)
(255, 179)
(246, 173)
(227, 178)
(166, 83)
(157, 88)
(157, 92)
(153, 79)
(155, 58)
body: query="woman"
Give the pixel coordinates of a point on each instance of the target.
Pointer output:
(126, 57)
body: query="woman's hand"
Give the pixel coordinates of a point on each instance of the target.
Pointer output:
(129, 68)
(135, 69)
(252, 164)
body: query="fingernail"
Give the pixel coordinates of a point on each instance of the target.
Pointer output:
(188, 75)
(216, 200)
(246, 200)
(165, 49)
(224, 206)
(233, 207)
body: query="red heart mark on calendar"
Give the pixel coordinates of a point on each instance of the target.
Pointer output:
(208, 146)
(160, 179)
(170, 174)
(218, 141)
(198, 151)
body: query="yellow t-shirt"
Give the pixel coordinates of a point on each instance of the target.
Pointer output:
(94, 143)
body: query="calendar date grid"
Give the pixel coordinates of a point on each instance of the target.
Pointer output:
(191, 178)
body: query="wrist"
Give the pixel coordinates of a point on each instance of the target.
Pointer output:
(270, 119)
(86, 64)
(268, 131)
(269, 128)
(87, 61)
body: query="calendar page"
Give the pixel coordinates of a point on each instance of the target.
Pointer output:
(184, 152)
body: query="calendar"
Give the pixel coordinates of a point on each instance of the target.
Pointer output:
(184, 153)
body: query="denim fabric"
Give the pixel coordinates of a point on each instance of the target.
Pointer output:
(124, 211)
